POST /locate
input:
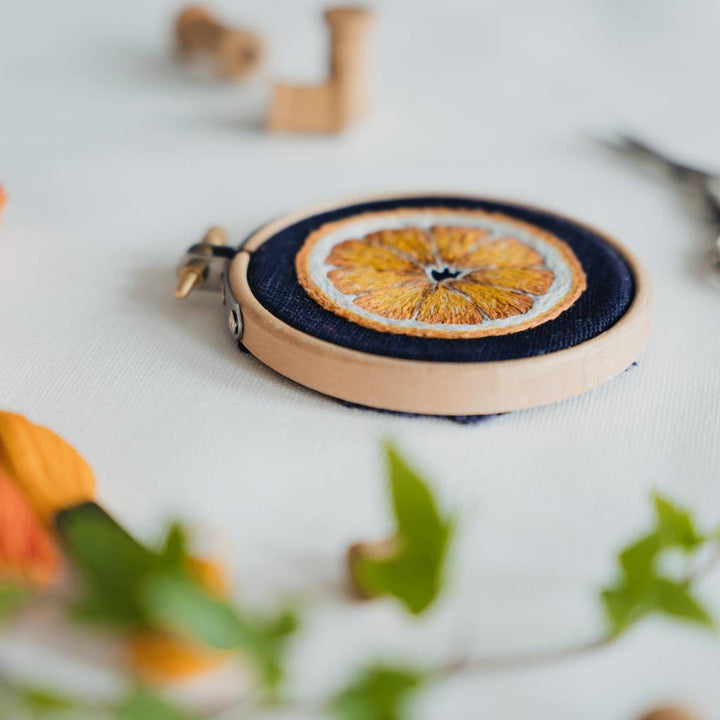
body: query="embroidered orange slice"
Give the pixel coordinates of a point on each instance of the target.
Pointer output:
(436, 272)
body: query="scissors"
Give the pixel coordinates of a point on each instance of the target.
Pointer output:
(705, 182)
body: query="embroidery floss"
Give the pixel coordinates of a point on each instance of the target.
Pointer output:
(494, 277)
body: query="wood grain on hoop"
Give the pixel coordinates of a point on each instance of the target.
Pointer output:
(440, 388)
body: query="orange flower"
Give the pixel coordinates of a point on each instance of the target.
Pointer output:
(210, 575)
(47, 471)
(159, 657)
(40, 474)
(28, 554)
(445, 281)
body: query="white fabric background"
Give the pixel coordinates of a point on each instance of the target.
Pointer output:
(116, 159)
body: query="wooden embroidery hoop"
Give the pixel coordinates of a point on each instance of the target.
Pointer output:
(435, 388)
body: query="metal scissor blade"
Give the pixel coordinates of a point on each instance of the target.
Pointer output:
(711, 195)
(710, 188)
(641, 149)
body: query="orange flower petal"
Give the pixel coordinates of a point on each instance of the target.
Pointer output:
(442, 305)
(496, 303)
(504, 252)
(160, 657)
(357, 254)
(27, 551)
(530, 280)
(210, 575)
(412, 242)
(351, 281)
(454, 243)
(398, 303)
(48, 471)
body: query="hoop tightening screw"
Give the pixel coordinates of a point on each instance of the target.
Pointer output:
(192, 273)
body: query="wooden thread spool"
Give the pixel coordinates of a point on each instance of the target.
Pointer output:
(330, 107)
(234, 52)
(671, 712)
(349, 59)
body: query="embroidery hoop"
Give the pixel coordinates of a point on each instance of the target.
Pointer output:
(431, 387)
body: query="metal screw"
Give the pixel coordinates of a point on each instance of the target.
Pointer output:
(191, 274)
(234, 322)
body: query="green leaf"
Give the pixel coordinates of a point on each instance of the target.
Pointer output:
(638, 559)
(144, 705)
(179, 604)
(640, 588)
(12, 598)
(110, 561)
(675, 599)
(675, 526)
(270, 648)
(413, 571)
(622, 608)
(41, 703)
(182, 606)
(416, 512)
(378, 693)
(174, 550)
(131, 585)
(11, 708)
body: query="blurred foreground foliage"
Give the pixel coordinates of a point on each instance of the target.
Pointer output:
(131, 587)
(643, 586)
(411, 565)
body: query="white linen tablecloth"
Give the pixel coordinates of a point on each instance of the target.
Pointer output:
(116, 158)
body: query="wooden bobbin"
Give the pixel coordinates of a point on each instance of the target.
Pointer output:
(233, 52)
(670, 712)
(349, 61)
(331, 106)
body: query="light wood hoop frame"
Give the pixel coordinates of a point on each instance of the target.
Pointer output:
(437, 388)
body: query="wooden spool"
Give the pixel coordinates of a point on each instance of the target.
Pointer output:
(344, 97)
(432, 387)
(233, 52)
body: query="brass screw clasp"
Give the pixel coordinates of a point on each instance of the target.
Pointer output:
(193, 272)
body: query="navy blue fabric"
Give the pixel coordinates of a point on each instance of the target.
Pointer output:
(273, 281)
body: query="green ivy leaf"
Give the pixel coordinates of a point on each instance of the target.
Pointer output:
(640, 589)
(111, 563)
(378, 693)
(174, 550)
(129, 584)
(8, 700)
(144, 705)
(178, 604)
(182, 606)
(12, 598)
(675, 598)
(674, 526)
(413, 570)
(41, 703)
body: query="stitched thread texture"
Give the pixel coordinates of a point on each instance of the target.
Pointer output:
(610, 289)
(493, 277)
